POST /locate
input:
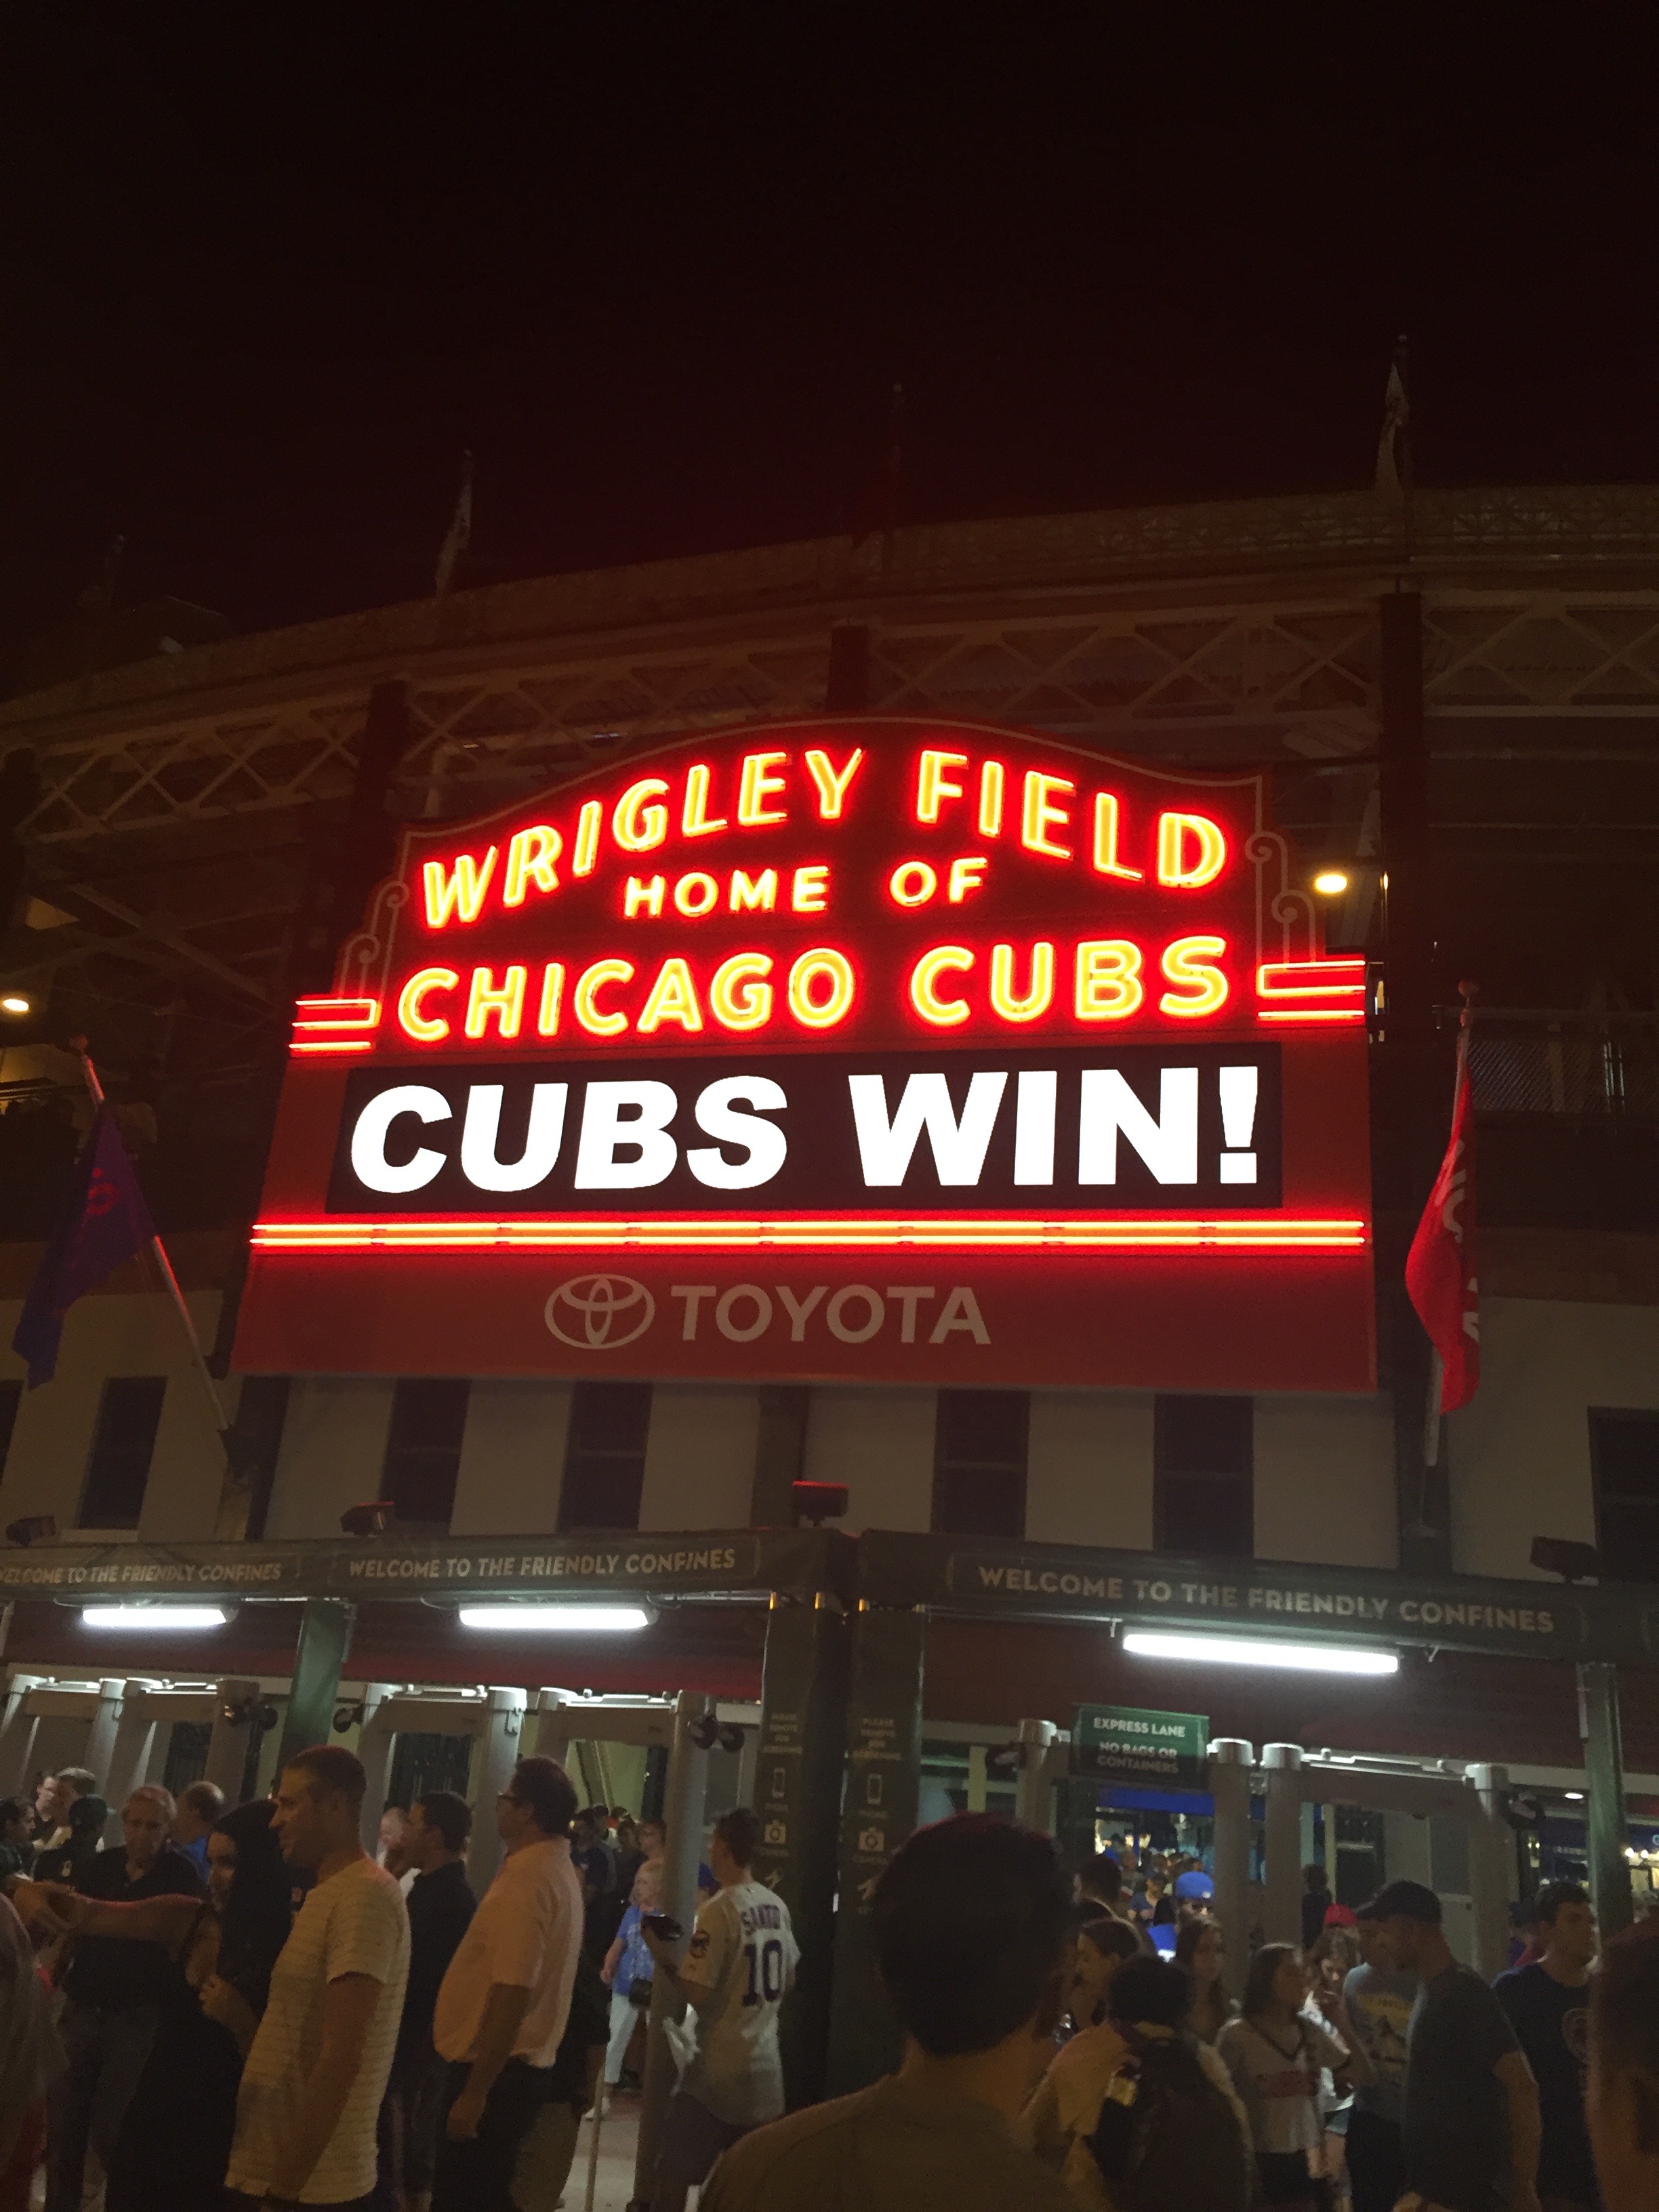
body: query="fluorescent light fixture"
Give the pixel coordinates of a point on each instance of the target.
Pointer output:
(1573, 1796)
(1264, 1651)
(15, 1003)
(153, 1616)
(558, 1619)
(1330, 883)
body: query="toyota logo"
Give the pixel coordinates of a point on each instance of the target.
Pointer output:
(601, 1313)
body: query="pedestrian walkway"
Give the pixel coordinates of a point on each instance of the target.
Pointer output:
(614, 2186)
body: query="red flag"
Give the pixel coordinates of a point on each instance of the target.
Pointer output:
(1440, 1268)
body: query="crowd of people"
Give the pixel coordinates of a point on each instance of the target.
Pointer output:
(231, 2009)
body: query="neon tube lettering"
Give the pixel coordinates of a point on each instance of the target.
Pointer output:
(831, 787)
(821, 964)
(913, 883)
(1175, 868)
(695, 819)
(641, 894)
(1201, 989)
(530, 857)
(943, 959)
(934, 785)
(809, 890)
(739, 997)
(507, 1004)
(412, 1016)
(547, 1015)
(756, 786)
(458, 895)
(1039, 995)
(992, 778)
(696, 895)
(753, 893)
(1109, 987)
(672, 998)
(1106, 829)
(639, 823)
(1039, 814)
(586, 850)
(967, 875)
(584, 999)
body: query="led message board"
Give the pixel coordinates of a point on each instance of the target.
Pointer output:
(855, 1048)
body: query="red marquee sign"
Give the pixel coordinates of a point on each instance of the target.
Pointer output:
(858, 1048)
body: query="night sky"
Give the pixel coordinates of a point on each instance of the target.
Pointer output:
(265, 271)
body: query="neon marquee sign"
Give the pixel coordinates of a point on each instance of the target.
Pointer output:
(854, 986)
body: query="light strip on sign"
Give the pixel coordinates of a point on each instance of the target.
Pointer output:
(876, 1233)
(558, 1619)
(1263, 1651)
(153, 1616)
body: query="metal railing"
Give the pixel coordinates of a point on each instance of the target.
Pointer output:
(1592, 1064)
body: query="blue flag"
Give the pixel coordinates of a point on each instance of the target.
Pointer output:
(104, 1222)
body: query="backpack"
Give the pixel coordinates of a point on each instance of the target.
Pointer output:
(1167, 2139)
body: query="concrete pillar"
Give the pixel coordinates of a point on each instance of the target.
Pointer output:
(1492, 1865)
(134, 1744)
(101, 1736)
(501, 1749)
(1282, 1763)
(319, 1654)
(17, 1731)
(1606, 1821)
(375, 1741)
(1231, 1761)
(683, 1808)
(1033, 1795)
(228, 1745)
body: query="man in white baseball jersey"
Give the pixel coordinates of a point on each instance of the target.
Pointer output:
(736, 1969)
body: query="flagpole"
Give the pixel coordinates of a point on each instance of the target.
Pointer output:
(1431, 1414)
(158, 1253)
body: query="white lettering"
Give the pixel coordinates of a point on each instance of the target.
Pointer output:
(694, 1294)
(482, 1128)
(368, 1161)
(835, 1312)
(959, 1147)
(728, 1299)
(800, 1310)
(1169, 1146)
(606, 1133)
(763, 1142)
(961, 1312)
(1034, 1126)
(907, 1294)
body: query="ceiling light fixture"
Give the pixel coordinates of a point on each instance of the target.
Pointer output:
(558, 1619)
(153, 1616)
(13, 1002)
(1252, 1652)
(1330, 883)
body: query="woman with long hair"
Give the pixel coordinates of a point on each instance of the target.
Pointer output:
(1275, 2053)
(174, 2144)
(1200, 1949)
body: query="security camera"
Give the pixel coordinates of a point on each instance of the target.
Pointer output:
(818, 1502)
(371, 1520)
(32, 1528)
(1561, 1555)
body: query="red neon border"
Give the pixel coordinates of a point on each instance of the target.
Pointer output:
(872, 1233)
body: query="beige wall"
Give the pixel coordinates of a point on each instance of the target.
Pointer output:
(1324, 1481)
(108, 1334)
(880, 1443)
(511, 1459)
(1088, 1471)
(1519, 1456)
(333, 1448)
(700, 1457)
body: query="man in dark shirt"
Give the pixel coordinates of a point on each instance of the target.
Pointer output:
(1468, 2123)
(112, 1995)
(597, 1870)
(440, 1907)
(1548, 2008)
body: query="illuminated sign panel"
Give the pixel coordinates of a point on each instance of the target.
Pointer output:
(853, 988)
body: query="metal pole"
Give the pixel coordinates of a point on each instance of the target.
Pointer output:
(158, 1253)
(1282, 1763)
(1490, 1861)
(682, 1809)
(1034, 1799)
(1608, 1824)
(1231, 1761)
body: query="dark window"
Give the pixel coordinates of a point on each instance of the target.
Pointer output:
(187, 1755)
(1624, 1462)
(424, 1761)
(604, 1457)
(11, 1397)
(1204, 1477)
(123, 1445)
(423, 1450)
(978, 1462)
